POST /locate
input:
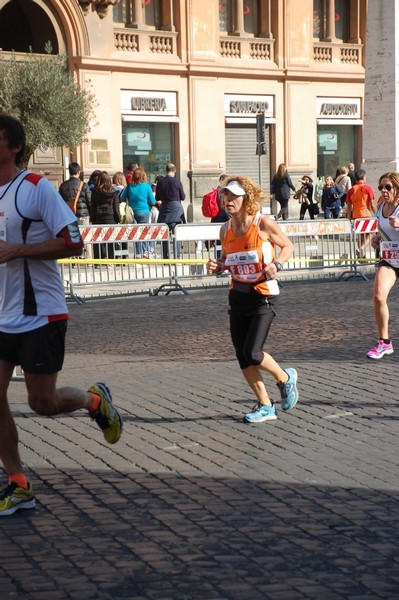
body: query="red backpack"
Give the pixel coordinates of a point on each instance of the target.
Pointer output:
(210, 205)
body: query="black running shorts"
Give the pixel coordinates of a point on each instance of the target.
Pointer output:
(39, 351)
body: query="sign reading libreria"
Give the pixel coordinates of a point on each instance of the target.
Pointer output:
(141, 102)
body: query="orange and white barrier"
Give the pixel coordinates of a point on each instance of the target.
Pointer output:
(124, 233)
(365, 225)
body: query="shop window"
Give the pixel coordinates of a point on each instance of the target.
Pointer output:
(148, 144)
(337, 145)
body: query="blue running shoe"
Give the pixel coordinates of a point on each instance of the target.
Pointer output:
(261, 413)
(288, 390)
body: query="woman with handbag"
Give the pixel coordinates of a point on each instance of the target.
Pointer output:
(305, 196)
(280, 187)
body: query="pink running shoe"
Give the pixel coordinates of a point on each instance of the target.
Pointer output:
(380, 349)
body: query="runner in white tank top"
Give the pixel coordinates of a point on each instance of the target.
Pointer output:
(387, 240)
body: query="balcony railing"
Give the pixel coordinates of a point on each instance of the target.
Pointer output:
(252, 48)
(145, 41)
(338, 53)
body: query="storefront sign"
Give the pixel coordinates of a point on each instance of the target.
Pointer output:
(339, 108)
(242, 106)
(148, 103)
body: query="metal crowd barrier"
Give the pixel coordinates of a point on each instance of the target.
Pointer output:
(179, 256)
(322, 244)
(118, 254)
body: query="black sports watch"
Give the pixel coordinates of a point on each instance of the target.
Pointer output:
(279, 266)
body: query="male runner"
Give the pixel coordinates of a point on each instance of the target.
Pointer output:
(36, 228)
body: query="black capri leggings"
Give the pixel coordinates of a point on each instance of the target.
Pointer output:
(249, 335)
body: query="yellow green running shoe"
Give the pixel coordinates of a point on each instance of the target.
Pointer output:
(13, 497)
(107, 416)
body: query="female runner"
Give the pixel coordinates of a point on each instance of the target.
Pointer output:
(387, 240)
(248, 240)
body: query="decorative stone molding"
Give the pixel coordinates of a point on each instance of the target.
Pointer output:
(100, 6)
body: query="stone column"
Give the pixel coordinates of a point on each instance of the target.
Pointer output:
(330, 33)
(381, 103)
(239, 18)
(138, 14)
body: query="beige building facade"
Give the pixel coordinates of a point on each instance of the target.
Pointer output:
(184, 80)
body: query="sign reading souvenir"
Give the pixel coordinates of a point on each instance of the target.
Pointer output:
(338, 108)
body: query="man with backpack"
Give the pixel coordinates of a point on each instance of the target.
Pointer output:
(360, 204)
(77, 194)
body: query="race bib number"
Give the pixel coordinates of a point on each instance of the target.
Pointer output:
(389, 251)
(244, 266)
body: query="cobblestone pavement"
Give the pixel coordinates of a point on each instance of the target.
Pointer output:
(192, 504)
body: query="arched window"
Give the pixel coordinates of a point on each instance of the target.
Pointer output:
(19, 31)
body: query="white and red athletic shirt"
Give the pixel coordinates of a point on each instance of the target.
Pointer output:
(31, 290)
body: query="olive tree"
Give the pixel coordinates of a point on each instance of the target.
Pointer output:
(40, 92)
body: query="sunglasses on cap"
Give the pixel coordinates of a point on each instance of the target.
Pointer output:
(388, 187)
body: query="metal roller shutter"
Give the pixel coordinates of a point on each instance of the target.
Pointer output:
(241, 158)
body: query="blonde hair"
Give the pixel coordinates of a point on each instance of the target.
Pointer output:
(119, 179)
(253, 193)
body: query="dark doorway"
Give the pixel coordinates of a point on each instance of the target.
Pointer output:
(25, 27)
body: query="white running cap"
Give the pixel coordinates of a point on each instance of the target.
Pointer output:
(235, 188)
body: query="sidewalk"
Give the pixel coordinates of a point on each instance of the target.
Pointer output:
(192, 504)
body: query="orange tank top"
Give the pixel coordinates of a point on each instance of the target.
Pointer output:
(246, 255)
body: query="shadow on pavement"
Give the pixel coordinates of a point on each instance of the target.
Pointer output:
(165, 536)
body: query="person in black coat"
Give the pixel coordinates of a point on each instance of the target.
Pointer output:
(306, 196)
(69, 190)
(169, 195)
(280, 187)
(104, 210)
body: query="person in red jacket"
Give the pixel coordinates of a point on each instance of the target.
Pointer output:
(360, 204)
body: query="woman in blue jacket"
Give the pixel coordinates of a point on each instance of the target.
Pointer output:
(331, 198)
(140, 198)
(280, 187)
